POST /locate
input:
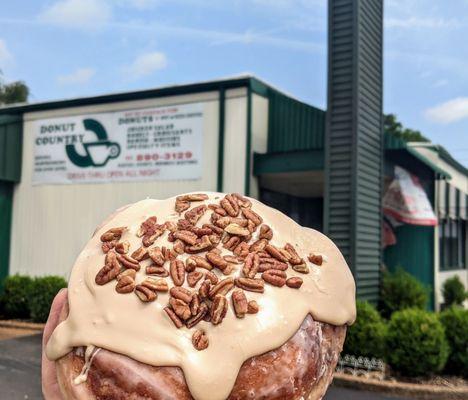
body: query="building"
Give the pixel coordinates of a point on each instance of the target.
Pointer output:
(64, 165)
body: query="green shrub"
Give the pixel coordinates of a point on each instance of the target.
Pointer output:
(366, 337)
(455, 321)
(416, 343)
(16, 290)
(401, 290)
(43, 291)
(454, 292)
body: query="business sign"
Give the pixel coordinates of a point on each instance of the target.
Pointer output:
(159, 143)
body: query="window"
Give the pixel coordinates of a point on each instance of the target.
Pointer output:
(452, 240)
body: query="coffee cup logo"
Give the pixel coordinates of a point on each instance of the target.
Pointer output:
(98, 153)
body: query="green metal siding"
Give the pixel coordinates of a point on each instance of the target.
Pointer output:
(293, 125)
(354, 143)
(6, 198)
(11, 141)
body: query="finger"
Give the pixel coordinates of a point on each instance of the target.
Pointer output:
(54, 315)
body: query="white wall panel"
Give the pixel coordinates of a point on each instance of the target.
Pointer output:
(52, 223)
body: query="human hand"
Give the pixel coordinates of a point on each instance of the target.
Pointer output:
(50, 386)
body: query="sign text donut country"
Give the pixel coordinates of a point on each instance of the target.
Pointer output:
(159, 143)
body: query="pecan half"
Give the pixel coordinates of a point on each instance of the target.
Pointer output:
(252, 216)
(195, 214)
(218, 309)
(193, 262)
(128, 262)
(181, 206)
(107, 246)
(252, 285)
(265, 232)
(184, 225)
(276, 253)
(252, 307)
(110, 270)
(222, 287)
(145, 294)
(181, 293)
(204, 230)
(179, 246)
(251, 265)
(294, 258)
(147, 226)
(186, 236)
(156, 254)
(259, 245)
(231, 259)
(316, 259)
(174, 318)
(192, 197)
(275, 277)
(177, 271)
(302, 268)
(294, 282)
(140, 254)
(195, 319)
(242, 201)
(231, 242)
(113, 234)
(126, 284)
(224, 222)
(170, 226)
(160, 285)
(216, 260)
(203, 244)
(239, 302)
(229, 203)
(200, 340)
(193, 278)
(128, 272)
(149, 239)
(235, 229)
(212, 277)
(168, 254)
(181, 308)
(265, 266)
(195, 304)
(241, 250)
(157, 270)
(122, 247)
(214, 229)
(204, 289)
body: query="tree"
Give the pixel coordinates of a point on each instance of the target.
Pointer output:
(14, 92)
(395, 128)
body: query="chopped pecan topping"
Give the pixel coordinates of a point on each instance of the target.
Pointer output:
(168, 254)
(181, 206)
(156, 254)
(265, 232)
(274, 277)
(170, 226)
(181, 294)
(302, 268)
(276, 253)
(217, 261)
(147, 226)
(128, 262)
(229, 203)
(179, 246)
(252, 216)
(222, 287)
(107, 246)
(239, 302)
(177, 271)
(217, 209)
(294, 282)
(197, 262)
(150, 231)
(200, 340)
(174, 318)
(204, 230)
(231, 259)
(126, 284)
(242, 201)
(184, 225)
(193, 278)
(204, 289)
(252, 285)
(195, 214)
(257, 246)
(122, 247)
(235, 229)
(110, 270)
(113, 234)
(203, 244)
(316, 259)
(192, 197)
(186, 236)
(195, 304)
(252, 307)
(241, 250)
(140, 254)
(212, 277)
(218, 309)
(181, 308)
(195, 319)
(251, 265)
(157, 270)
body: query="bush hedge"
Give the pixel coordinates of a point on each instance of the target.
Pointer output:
(455, 321)
(366, 337)
(401, 290)
(25, 297)
(453, 292)
(416, 343)
(15, 297)
(43, 291)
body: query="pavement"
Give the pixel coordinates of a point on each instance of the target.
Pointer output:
(20, 373)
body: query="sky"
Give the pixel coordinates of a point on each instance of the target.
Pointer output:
(73, 48)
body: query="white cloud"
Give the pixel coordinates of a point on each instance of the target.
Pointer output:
(146, 64)
(416, 23)
(5, 56)
(81, 14)
(79, 76)
(450, 111)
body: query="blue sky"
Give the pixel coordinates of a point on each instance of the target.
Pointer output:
(70, 48)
